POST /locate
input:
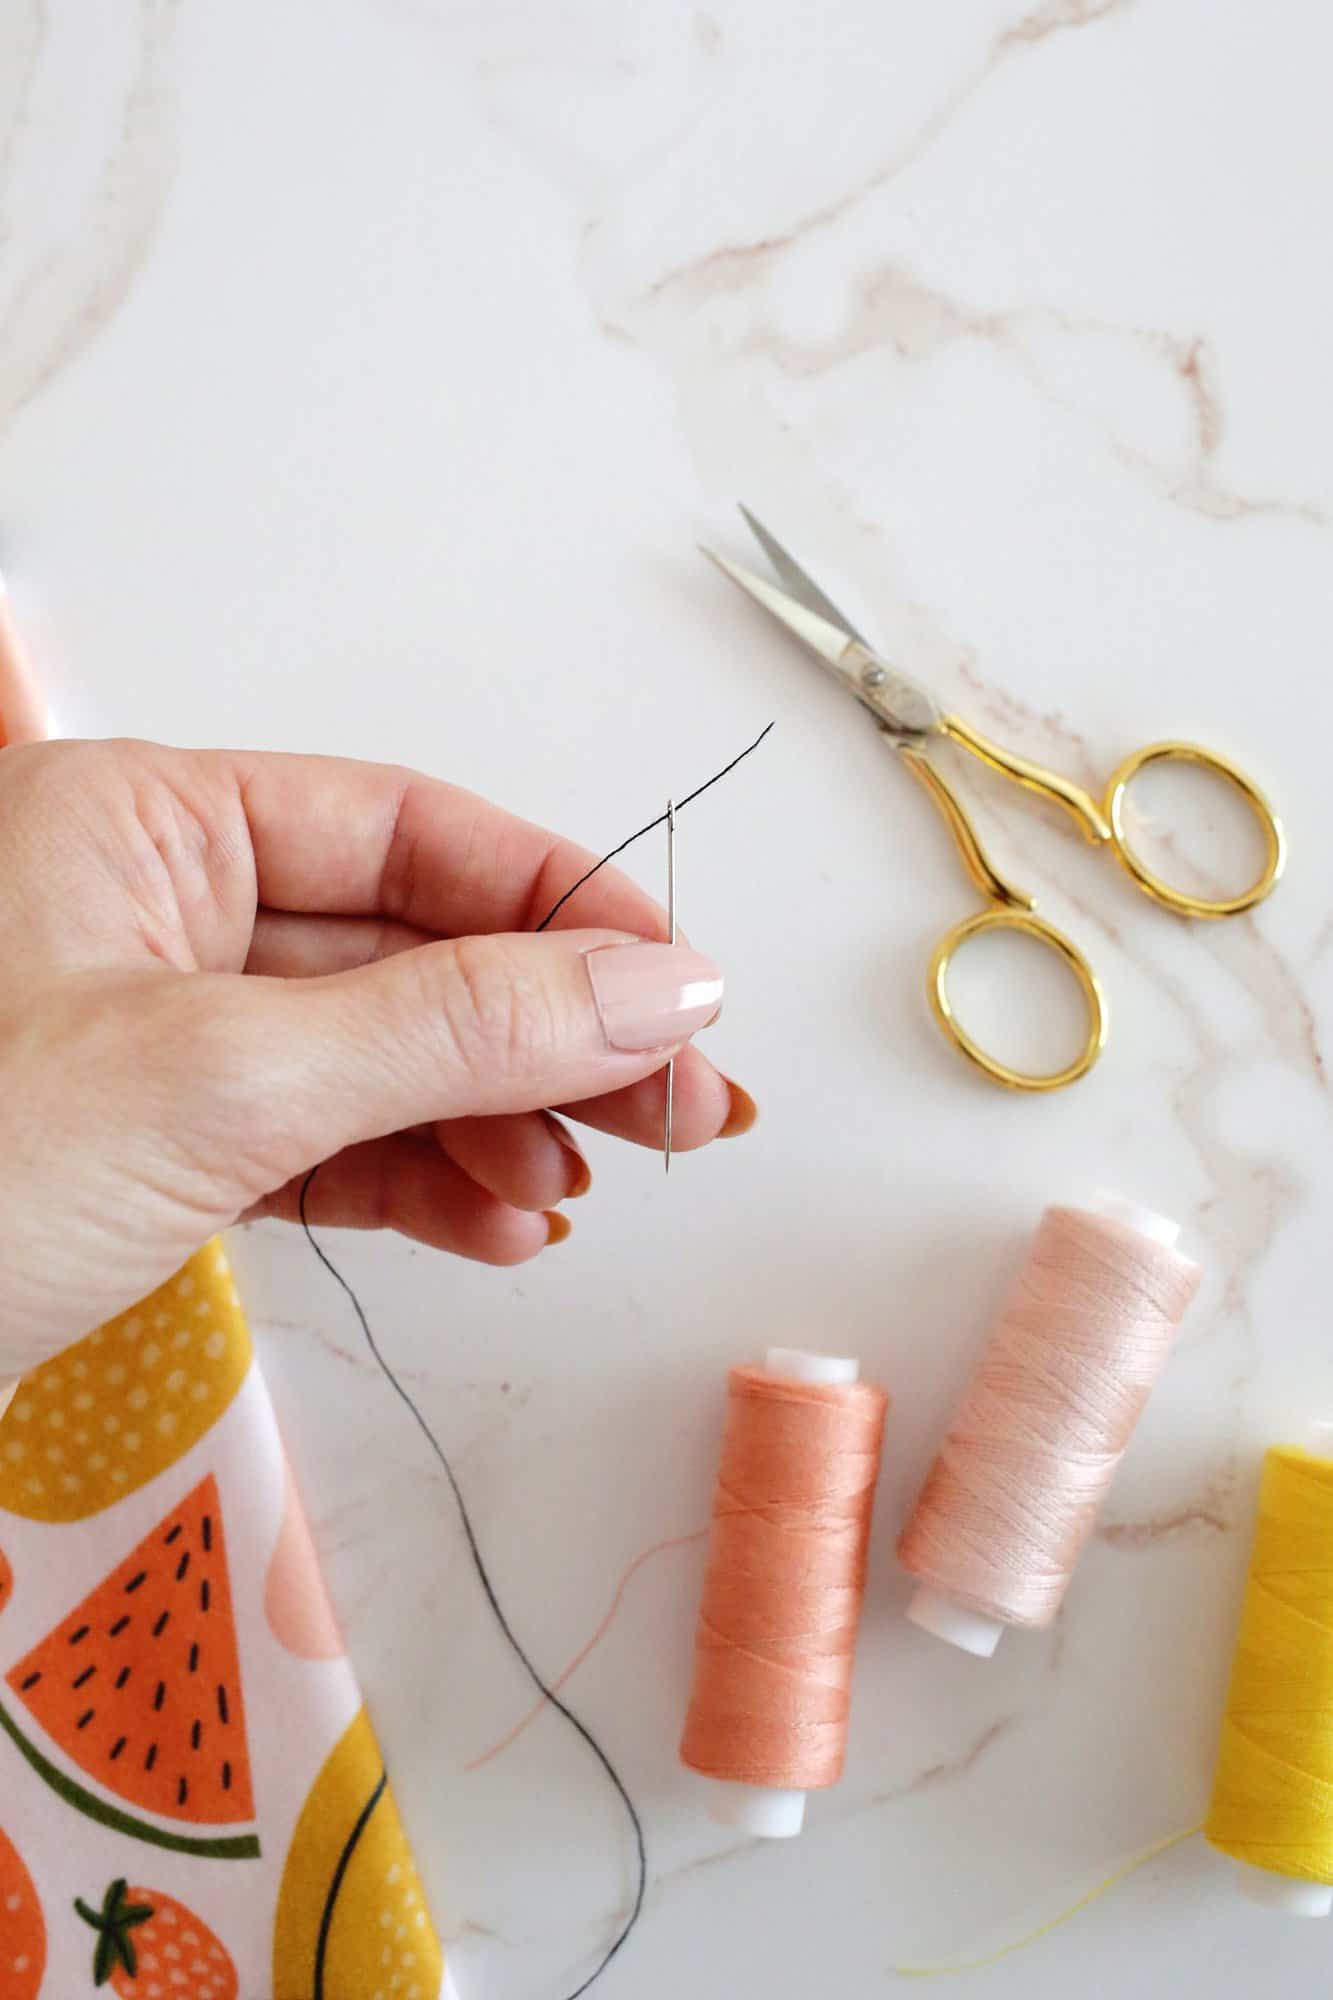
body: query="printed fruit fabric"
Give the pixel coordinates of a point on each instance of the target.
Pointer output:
(22, 1931)
(352, 1922)
(140, 1684)
(150, 1947)
(106, 1416)
(6, 1580)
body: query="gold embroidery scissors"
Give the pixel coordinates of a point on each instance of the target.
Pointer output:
(915, 724)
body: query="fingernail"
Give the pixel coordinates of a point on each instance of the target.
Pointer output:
(652, 996)
(580, 1173)
(744, 1112)
(558, 1227)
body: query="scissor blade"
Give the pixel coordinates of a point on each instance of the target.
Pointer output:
(828, 642)
(798, 581)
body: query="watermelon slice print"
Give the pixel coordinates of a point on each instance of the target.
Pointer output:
(140, 1688)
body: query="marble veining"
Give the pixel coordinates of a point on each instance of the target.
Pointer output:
(367, 373)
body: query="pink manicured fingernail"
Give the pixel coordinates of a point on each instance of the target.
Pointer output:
(580, 1173)
(651, 996)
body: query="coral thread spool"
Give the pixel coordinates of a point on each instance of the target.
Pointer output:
(1015, 1488)
(1272, 1803)
(783, 1587)
(24, 717)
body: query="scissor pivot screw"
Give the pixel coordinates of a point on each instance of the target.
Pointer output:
(873, 677)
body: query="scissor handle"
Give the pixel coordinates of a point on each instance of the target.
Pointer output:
(1031, 925)
(1275, 839)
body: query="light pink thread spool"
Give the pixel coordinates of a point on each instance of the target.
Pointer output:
(1015, 1489)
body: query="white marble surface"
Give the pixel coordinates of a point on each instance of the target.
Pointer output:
(366, 372)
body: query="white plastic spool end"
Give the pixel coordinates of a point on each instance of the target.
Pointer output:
(1320, 1444)
(971, 1631)
(765, 1811)
(800, 1364)
(1117, 1208)
(1284, 1892)
(770, 1812)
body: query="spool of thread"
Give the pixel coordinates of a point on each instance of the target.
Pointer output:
(24, 717)
(1015, 1489)
(784, 1586)
(1272, 1804)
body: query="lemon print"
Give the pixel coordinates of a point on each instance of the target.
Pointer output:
(106, 1416)
(352, 1922)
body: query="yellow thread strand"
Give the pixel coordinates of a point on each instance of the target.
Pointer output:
(1272, 1804)
(1138, 1860)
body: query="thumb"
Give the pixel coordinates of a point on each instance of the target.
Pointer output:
(469, 1028)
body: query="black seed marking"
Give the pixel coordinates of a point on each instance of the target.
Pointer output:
(222, 1705)
(75, 1637)
(122, 1677)
(151, 1758)
(182, 1566)
(204, 1595)
(174, 1535)
(85, 1718)
(31, 1681)
(135, 1581)
(119, 1626)
(182, 1792)
(196, 1733)
(226, 1777)
(161, 1625)
(159, 1697)
(117, 1747)
(208, 1532)
(86, 1675)
(194, 1657)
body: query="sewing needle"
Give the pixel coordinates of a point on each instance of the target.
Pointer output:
(671, 926)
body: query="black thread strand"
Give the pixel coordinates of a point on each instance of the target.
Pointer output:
(547, 1693)
(679, 806)
(544, 1689)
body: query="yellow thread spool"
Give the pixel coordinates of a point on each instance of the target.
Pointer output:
(1272, 1804)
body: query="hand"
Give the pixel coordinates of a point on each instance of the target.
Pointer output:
(219, 970)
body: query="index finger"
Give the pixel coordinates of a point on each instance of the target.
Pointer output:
(333, 837)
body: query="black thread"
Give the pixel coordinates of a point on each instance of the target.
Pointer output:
(544, 1689)
(546, 1692)
(679, 806)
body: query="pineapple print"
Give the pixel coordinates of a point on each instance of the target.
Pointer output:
(352, 1920)
(106, 1416)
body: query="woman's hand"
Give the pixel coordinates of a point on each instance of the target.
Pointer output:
(221, 969)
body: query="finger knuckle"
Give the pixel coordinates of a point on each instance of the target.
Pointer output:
(496, 1016)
